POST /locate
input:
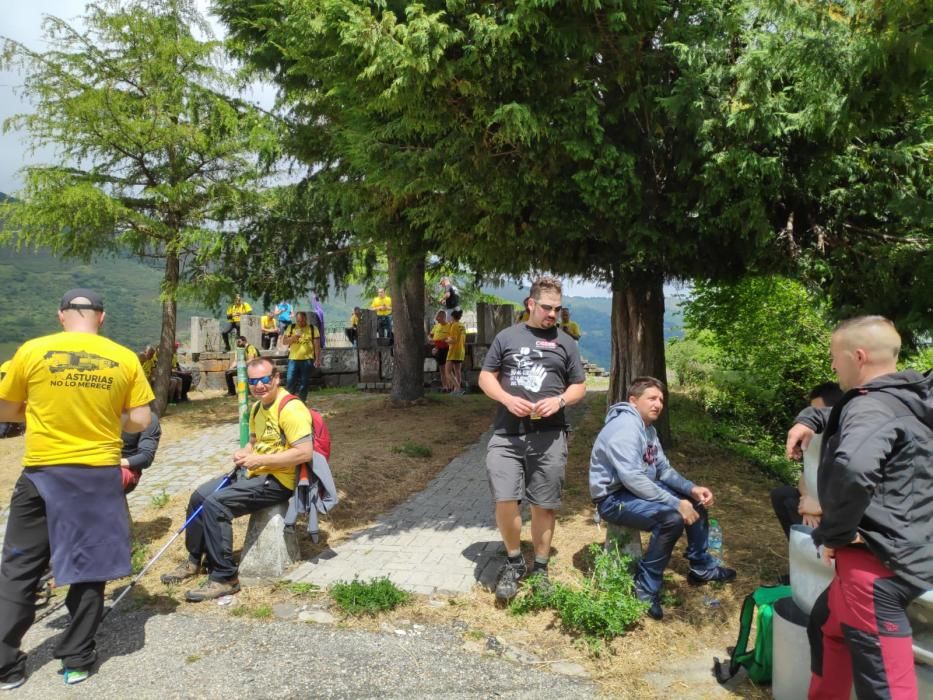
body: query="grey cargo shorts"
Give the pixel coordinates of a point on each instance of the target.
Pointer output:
(529, 466)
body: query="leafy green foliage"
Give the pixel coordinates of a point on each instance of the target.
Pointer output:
(369, 597)
(160, 499)
(139, 555)
(759, 346)
(604, 607)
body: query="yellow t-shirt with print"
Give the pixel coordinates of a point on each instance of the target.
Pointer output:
(439, 332)
(378, 302)
(303, 347)
(75, 386)
(456, 335)
(234, 311)
(267, 426)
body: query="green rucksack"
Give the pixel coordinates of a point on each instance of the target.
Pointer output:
(757, 661)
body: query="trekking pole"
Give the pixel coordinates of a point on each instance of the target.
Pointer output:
(226, 480)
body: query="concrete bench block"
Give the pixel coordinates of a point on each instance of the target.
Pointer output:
(268, 550)
(626, 538)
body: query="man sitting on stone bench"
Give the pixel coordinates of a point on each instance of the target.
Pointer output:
(277, 444)
(633, 485)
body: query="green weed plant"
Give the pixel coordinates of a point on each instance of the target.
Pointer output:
(604, 607)
(160, 499)
(368, 597)
(410, 448)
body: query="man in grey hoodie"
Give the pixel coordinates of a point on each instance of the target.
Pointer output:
(632, 484)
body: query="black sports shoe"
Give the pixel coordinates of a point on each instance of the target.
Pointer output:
(655, 612)
(509, 577)
(721, 574)
(13, 681)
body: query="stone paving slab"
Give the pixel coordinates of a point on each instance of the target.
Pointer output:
(441, 540)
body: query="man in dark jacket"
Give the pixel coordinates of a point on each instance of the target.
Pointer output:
(876, 490)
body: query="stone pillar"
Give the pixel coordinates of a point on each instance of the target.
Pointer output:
(205, 335)
(490, 319)
(628, 540)
(268, 550)
(369, 365)
(251, 327)
(387, 364)
(366, 331)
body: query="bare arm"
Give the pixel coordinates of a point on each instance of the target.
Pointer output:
(289, 458)
(136, 419)
(551, 405)
(12, 412)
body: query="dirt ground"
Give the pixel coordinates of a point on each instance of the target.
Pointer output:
(374, 478)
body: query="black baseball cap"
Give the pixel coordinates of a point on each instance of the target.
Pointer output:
(94, 301)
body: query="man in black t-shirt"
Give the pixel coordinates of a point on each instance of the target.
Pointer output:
(450, 298)
(533, 371)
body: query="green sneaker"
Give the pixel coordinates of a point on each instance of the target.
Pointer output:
(75, 675)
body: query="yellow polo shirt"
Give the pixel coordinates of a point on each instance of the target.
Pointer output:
(382, 301)
(234, 311)
(303, 348)
(76, 386)
(267, 323)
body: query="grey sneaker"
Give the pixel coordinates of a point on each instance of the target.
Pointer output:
(13, 681)
(181, 573)
(213, 589)
(509, 577)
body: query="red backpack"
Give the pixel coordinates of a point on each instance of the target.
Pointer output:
(321, 434)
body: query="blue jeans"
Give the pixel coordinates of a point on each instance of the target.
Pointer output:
(665, 524)
(384, 326)
(298, 378)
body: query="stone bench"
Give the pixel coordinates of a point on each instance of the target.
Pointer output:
(627, 539)
(269, 549)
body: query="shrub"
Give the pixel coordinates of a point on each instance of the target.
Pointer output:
(410, 448)
(368, 598)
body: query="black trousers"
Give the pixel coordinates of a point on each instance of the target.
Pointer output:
(785, 501)
(231, 327)
(26, 554)
(211, 533)
(269, 339)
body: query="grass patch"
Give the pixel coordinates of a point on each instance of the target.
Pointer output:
(299, 587)
(160, 499)
(261, 612)
(603, 608)
(191, 658)
(139, 555)
(410, 448)
(369, 597)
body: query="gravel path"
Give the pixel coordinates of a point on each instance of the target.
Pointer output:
(147, 655)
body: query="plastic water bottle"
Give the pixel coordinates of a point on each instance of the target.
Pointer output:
(714, 541)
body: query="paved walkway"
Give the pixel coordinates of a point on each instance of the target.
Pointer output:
(442, 539)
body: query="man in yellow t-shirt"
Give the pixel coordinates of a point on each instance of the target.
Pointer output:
(270, 331)
(304, 353)
(567, 326)
(75, 390)
(456, 339)
(280, 438)
(234, 311)
(353, 326)
(382, 305)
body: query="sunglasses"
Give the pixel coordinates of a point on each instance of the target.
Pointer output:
(549, 308)
(253, 381)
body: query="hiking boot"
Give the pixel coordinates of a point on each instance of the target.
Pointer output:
(181, 573)
(719, 574)
(13, 681)
(213, 589)
(72, 676)
(507, 584)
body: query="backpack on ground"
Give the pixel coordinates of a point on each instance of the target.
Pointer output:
(757, 661)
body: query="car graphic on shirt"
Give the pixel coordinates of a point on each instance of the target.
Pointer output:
(63, 361)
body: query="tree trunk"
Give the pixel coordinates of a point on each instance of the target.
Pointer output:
(406, 282)
(638, 338)
(163, 369)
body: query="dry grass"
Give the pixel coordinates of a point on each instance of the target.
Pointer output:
(374, 479)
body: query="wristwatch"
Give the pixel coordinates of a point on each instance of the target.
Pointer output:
(561, 402)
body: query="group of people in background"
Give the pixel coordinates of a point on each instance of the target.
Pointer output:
(448, 337)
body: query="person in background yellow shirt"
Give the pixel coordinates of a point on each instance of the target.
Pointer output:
(234, 311)
(75, 390)
(270, 331)
(523, 315)
(280, 438)
(456, 339)
(567, 326)
(230, 374)
(382, 305)
(438, 339)
(304, 352)
(353, 326)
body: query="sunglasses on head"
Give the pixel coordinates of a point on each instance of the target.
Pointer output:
(253, 381)
(549, 308)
